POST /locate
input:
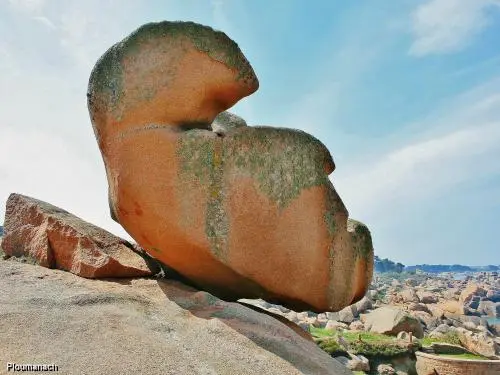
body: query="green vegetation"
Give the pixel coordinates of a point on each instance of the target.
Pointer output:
(465, 356)
(362, 240)
(366, 343)
(386, 265)
(448, 338)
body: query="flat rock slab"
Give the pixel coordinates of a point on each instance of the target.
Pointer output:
(55, 238)
(142, 326)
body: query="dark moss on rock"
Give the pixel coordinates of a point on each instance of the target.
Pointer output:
(201, 162)
(283, 162)
(106, 80)
(361, 238)
(226, 122)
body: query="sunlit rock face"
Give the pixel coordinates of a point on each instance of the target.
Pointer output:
(241, 211)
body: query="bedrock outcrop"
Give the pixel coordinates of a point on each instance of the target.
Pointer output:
(54, 238)
(143, 326)
(241, 211)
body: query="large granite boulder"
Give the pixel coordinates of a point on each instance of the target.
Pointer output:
(240, 211)
(54, 238)
(391, 321)
(143, 326)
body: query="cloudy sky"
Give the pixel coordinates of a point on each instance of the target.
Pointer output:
(405, 94)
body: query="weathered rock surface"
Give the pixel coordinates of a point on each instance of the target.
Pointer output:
(55, 238)
(391, 321)
(471, 291)
(142, 326)
(226, 122)
(246, 213)
(481, 343)
(451, 307)
(427, 297)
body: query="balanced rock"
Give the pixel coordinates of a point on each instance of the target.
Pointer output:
(240, 211)
(54, 238)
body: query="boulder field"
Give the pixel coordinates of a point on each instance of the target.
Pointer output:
(241, 211)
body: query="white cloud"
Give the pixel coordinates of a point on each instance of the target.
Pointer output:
(28, 5)
(45, 21)
(444, 26)
(460, 143)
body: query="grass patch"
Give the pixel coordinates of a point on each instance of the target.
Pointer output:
(321, 332)
(447, 338)
(366, 343)
(465, 356)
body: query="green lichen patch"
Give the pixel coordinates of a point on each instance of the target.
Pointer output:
(201, 162)
(214, 43)
(196, 154)
(361, 238)
(106, 86)
(283, 162)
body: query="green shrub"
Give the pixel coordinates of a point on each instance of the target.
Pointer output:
(366, 343)
(332, 347)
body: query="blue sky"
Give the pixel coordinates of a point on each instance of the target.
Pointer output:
(405, 94)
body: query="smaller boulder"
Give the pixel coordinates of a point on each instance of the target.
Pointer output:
(226, 122)
(55, 238)
(470, 291)
(363, 305)
(357, 326)
(409, 295)
(427, 297)
(493, 295)
(385, 369)
(348, 314)
(334, 325)
(391, 321)
(355, 362)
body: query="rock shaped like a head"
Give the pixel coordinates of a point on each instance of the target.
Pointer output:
(242, 211)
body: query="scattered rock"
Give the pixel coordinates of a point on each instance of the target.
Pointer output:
(493, 295)
(391, 321)
(452, 307)
(347, 314)
(409, 295)
(489, 308)
(363, 306)
(479, 343)
(355, 362)
(226, 122)
(385, 369)
(334, 325)
(427, 297)
(470, 291)
(414, 306)
(357, 326)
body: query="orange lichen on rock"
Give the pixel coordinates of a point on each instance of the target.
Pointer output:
(241, 211)
(54, 238)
